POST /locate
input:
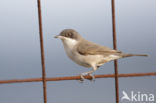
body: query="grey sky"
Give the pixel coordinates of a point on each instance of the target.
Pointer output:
(20, 49)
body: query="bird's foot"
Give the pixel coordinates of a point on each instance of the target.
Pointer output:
(82, 77)
(84, 74)
(93, 77)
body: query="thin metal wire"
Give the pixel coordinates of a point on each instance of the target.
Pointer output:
(42, 52)
(115, 47)
(77, 77)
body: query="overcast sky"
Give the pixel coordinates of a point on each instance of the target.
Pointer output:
(20, 48)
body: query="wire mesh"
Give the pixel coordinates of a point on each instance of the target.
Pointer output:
(44, 79)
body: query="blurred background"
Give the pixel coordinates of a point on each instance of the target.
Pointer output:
(20, 48)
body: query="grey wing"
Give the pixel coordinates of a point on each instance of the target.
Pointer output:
(89, 48)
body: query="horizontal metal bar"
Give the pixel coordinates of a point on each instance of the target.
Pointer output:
(76, 77)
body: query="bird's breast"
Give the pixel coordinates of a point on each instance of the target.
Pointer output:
(74, 56)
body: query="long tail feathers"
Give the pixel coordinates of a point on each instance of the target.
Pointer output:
(129, 55)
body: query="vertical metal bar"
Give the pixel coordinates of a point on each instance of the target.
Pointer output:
(42, 52)
(115, 47)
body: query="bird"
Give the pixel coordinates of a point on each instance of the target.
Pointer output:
(88, 54)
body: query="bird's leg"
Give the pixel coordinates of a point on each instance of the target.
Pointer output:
(86, 73)
(89, 73)
(82, 76)
(82, 79)
(93, 77)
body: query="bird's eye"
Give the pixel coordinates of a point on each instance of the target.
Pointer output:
(71, 35)
(66, 35)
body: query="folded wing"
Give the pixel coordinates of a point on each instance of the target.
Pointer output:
(89, 48)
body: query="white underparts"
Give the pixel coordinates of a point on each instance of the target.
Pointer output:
(85, 60)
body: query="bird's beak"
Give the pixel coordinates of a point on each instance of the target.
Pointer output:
(57, 36)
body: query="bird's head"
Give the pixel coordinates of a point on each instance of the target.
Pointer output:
(67, 34)
(69, 37)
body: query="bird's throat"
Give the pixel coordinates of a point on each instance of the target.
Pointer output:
(69, 43)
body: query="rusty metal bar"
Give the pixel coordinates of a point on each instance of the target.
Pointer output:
(76, 77)
(42, 52)
(115, 47)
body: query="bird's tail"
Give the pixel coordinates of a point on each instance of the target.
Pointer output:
(129, 55)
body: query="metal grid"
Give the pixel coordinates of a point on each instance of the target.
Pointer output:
(44, 79)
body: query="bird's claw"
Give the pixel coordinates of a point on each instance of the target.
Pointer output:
(82, 78)
(84, 74)
(93, 77)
